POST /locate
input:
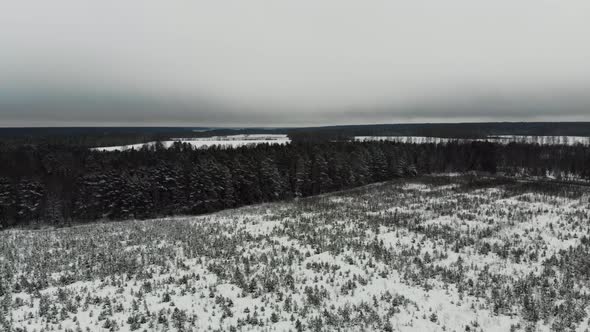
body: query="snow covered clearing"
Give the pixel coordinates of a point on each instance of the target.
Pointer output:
(502, 139)
(255, 139)
(430, 254)
(206, 142)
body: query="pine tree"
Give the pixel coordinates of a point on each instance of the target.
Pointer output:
(5, 319)
(271, 182)
(320, 180)
(300, 178)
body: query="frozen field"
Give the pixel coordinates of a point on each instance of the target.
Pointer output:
(430, 254)
(255, 139)
(205, 142)
(502, 139)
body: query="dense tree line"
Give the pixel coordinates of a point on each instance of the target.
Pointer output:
(83, 137)
(115, 136)
(59, 185)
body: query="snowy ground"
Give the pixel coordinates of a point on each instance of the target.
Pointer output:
(255, 139)
(502, 139)
(205, 142)
(430, 254)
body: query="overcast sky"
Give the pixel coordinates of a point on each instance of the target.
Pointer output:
(292, 62)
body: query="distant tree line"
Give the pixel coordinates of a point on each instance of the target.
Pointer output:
(59, 185)
(455, 130)
(115, 136)
(72, 138)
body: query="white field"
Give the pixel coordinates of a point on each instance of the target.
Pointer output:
(502, 139)
(245, 137)
(206, 142)
(255, 139)
(423, 255)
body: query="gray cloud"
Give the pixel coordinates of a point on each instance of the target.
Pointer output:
(263, 62)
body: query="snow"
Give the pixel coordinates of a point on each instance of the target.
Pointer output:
(233, 141)
(255, 139)
(332, 249)
(502, 139)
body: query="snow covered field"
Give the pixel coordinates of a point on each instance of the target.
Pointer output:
(205, 142)
(503, 139)
(429, 254)
(255, 139)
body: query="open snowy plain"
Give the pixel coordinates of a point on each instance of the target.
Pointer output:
(501, 139)
(428, 254)
(233, 141)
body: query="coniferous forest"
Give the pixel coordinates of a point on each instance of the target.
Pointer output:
(447, 235)
(61, 185)
(294, 166)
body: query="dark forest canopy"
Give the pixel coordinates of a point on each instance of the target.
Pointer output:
(59, 185)
(462, 130)
(112, 136)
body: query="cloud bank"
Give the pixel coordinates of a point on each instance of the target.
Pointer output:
(263, 62)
